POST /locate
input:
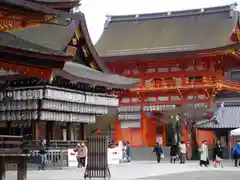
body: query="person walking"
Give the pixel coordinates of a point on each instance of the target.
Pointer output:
(183, 151)
(81, 154)
(204, 154)
(173, 153)
(128, 152)
(218, 154)
(236, 154)
(159, 152)
(42, 151)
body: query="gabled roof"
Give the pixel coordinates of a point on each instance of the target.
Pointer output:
(53, 40)
(56, 1)
(59, 3)
(76, 72)
(36, 7)
(164, 34)
(226, 116)
(47, 35)
(9, 40)
(57, 37)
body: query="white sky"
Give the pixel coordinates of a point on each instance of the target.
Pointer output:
(96, 10)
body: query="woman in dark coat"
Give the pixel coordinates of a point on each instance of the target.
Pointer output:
(173, 152)
(218, 154)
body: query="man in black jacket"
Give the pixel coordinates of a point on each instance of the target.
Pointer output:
(159, 152)
(42, 151)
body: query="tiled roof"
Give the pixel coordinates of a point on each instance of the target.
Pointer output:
(78, 73)
(167, 32)
(226, 116)
(53, 39)
(11, 41)
(34, 6)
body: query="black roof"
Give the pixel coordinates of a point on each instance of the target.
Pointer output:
(168, 32)
(48, 35)
(57, 37)
(227, 115)
(36, 7)
(55, 1)
(76, 72)
(53, 39)
(11, 41)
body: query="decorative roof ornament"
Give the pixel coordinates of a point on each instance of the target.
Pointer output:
(108, 20)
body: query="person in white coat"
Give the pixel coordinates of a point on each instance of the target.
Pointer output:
(183, 151)
(204, 154)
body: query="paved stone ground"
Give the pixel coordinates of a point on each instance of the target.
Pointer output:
(143, 171)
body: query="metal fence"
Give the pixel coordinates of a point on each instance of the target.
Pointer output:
(55, 159)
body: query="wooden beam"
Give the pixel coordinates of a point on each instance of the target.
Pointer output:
(2, 168)
(170, 74)
(27, 71)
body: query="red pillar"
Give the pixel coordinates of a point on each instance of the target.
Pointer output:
(144, 127)
(117, 131)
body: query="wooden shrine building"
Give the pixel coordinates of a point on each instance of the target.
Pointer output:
(52, 81)
(181, 58)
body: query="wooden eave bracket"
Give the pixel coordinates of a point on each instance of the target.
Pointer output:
(34, 6)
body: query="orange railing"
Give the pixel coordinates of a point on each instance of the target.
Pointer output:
(214, 84)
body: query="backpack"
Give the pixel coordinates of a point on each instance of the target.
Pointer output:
(236, 150)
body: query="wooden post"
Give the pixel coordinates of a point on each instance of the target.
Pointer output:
(144, 129)
(9, 128)
(49, 130)
(35, 130)
(2, 168)
(69, 131)
(22, 168)
(164, 134)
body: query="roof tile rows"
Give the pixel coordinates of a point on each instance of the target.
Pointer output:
(52, 39)
(159, 33)
(226, 116)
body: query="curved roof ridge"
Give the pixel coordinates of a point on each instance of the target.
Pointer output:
(179, 13)
(100, 63)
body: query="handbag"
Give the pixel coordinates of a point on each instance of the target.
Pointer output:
(207, 161)
(218, 160)
(162, 156)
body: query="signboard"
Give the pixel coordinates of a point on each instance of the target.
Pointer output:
(72, 158)
(159, 139)
(114, 155)
(130, 124)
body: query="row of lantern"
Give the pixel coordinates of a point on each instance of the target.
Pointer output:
(18, 115)
(64, 96)
(22, 94)
(19, 105)
(74, 107)
(89, 98)
(133, 116)
(129, 108)
(99, 100)
(66, 117)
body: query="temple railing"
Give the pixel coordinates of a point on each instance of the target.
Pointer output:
(214, 84)
(173, 87)
(55, 159)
